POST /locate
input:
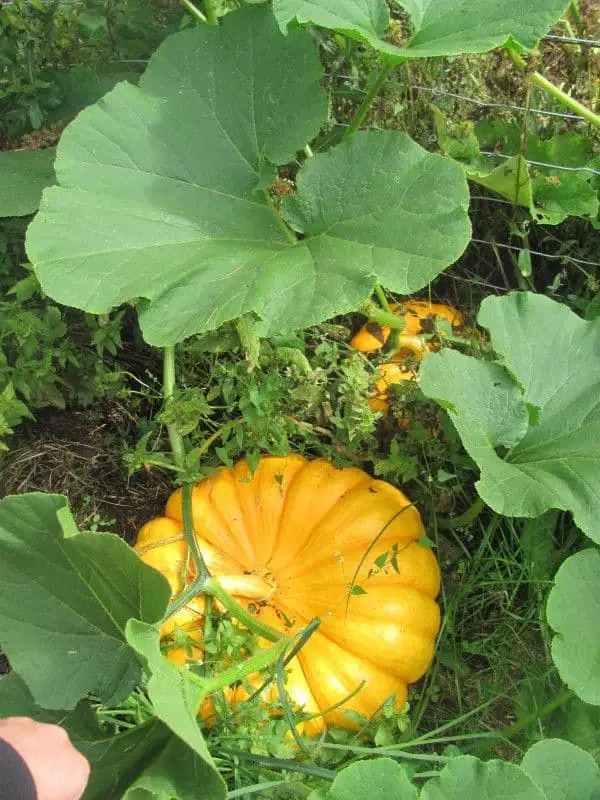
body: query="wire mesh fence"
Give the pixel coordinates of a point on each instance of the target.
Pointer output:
(438, 91)
(565, 117)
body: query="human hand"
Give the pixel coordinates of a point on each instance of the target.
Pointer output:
(59, 771)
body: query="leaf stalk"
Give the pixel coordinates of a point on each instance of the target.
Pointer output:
(562, 97)
(194, 11)
(363, 109)
(169, 382)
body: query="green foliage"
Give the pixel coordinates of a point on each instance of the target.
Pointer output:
(195, 199)
(23, 176)
(574, 614)
(467, 776)
(55, 58)
(12, 413)
(551, 770)
(551, 194)
(531, 421)
(178, 222)
(49, 356)
(176, 699)
(311, 397)
(439, 27)
(74, 593)
(562, 770)
(380, 779)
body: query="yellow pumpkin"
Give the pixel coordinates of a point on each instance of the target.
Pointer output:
(389, 374)
(288, 542)
(419, 316)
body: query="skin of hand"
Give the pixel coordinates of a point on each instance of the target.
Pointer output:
(59, 771)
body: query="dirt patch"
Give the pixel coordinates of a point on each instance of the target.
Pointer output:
(79, 453)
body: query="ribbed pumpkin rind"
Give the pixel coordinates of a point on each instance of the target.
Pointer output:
(313, 531)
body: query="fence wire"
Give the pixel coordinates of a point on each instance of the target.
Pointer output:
(552, 256)
(544, 164)
(439, 90)
(481, 103)
(551, 37)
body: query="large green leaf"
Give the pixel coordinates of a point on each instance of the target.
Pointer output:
(562, 770)
(532, 422)
(65, 600)
(379, 779)
(178, 772)
(16, 701)
(173, 213)
(365, 206)
(555, 193)
(365, 20)
(176, 699)
(451, 27)
(551, 193)
(440, 27)
(81, 86)
(583, 726)
(23, 176)
(468, 777)
(148, 755)
(574, 614)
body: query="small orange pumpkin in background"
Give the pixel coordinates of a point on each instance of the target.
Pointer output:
(419, 318)
(288, 542)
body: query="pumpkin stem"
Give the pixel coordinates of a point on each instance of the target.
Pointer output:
(378, 314)
(214, 588)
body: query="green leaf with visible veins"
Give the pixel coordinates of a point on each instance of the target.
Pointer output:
(378, 779)
(364, 207)
(439, 27)
(452, 27)
(468, 777)
(365, 20)
(574, 614)
(562, 770)
(532, 422)
(555, 193)
(178, 772)
(146, 757)
(64, 603)
(173, 213)
(176, 699)
(23, 176)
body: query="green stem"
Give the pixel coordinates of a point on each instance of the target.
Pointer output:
(544, 711)
(286, 764)
(287, 232)
(190, 535)
(193, 590)
(195, 12)
(382, 298)
(175, 438)
(308, 151)
(363, 109)
(212, 587)
(575, 12)
(249, 339)
(240, 671)
(463, 520)
(377, 314)
(211, 12)
(199, 451)
(562, 97)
